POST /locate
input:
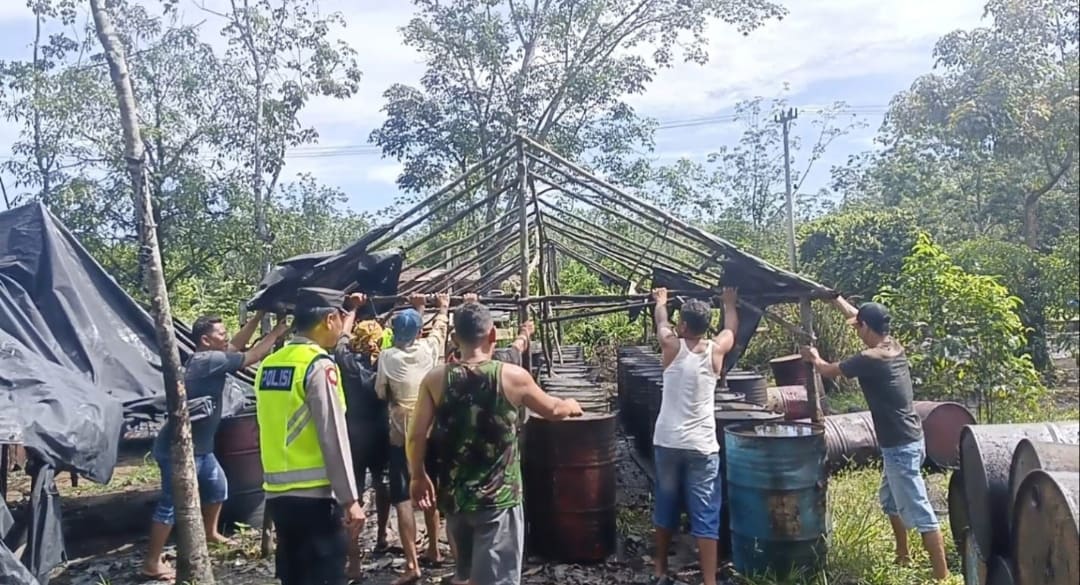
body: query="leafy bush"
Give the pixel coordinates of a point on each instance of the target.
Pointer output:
(964, 336)
(857, 252)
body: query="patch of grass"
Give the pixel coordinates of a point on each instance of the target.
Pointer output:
(146, 473)
(861, 546)
(247, 542)
(845, 401)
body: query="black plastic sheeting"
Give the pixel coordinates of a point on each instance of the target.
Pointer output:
(353, 269)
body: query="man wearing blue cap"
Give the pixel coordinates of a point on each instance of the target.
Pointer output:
(885, 378)
(401, 369)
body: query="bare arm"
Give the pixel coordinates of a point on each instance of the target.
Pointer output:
(328, 416)
(845, 307)
(669, 342)
(266, 344)
(240, 340)
(521, 343)
(725, 340)
(519, 388)
(825, 368)
(422, 421)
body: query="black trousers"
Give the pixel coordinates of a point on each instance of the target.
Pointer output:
(311, 541)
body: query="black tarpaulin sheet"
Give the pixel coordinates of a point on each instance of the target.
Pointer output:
(748, 319)
(13, 572)
(353, 268)
(74, 347)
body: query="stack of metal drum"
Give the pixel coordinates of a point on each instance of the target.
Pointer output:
(1013, 504)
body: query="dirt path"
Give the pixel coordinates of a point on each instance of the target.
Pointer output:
(115, 560)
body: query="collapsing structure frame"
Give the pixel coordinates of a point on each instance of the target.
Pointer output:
(518, 212)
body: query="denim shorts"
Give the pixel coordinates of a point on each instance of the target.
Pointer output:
(691, 479)
(903, 491)
(213, 487)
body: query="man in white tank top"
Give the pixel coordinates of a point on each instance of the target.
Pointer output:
(686, 451)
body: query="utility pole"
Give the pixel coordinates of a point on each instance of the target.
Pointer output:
(813, 380)
(785, 119)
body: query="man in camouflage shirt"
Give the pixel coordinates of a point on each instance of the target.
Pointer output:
(473, 406)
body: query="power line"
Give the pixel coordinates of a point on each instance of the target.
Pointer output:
(352, 150)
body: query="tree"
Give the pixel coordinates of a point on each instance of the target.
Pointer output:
(998, 122)
(283, 51)
(962, 331)
(752, 171)
(193, 559)
(556, 71)
(858, 251)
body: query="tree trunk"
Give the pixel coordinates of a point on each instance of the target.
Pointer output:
(193, 559)
(1031, 221)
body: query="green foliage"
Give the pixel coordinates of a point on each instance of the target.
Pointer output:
(1022, 271)
(857, 252)
(987, 144)
(594, 333)
(962, 331)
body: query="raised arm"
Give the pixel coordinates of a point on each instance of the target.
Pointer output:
(845, 307)
(266, 344)
(240, 341)
(725, 340)
(519, 388)
(669, 342)
(521, 343)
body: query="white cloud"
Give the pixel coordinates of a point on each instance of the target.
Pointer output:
(820, 44)
(817, 42)
(383, 173)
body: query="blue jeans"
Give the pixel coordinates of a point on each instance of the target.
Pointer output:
(690, 478)
(903, 491)
(213, 486)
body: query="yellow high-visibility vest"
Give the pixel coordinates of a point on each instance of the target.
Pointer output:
(291, 456)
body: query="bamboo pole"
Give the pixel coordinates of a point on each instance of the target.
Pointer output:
(504, 238)
(493, 250)
(436, 230)
(611, 251)
(597, 313)
(471, 236)
(595, 267)
(452, 185)
(641, 249)
(401, 229)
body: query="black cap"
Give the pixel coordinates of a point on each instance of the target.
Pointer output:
(875, 315)
(317, 298)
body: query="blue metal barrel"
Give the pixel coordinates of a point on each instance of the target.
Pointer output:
(777, 485)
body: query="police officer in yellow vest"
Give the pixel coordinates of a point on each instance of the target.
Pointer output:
(307, 465)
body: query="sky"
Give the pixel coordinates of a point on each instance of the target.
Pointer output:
(860, 51)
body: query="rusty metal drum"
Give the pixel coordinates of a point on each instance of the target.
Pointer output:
(973, 562)
(1046, 539)
(1031, 455)
(734, 413)
(850, 439)
(789, 370)
(958, 520)
(942, 423)
(790, 400)
(236, 447)
(753, 386)
(985, 457)
(777, 485)
(570, 489)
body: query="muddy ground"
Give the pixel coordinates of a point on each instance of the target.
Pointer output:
(105, 530)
